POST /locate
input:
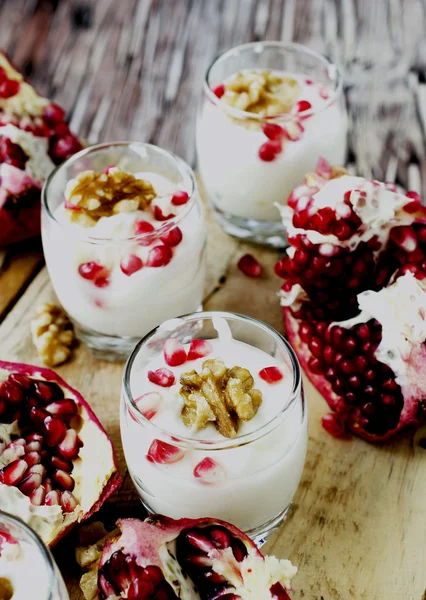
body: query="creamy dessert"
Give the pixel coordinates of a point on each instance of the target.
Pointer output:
(259, 132)
(126, 251)
(215, 428)
(22, 553)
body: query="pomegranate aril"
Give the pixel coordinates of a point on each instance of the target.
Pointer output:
(140, 589)
(149, 404)
(271, 375)
(159, 256)
(38, 496)
(11, 392)
(65, 409)
(334, 425)
(174, 353)
(272, 131)
(52, 498)
(30, 483)
(144, 229)
(131, 264)
(63, 479)
(250, 266)
(53, 112)
(268, 152)
(47, 391)
(180, 197)
(315, 365)
(38, 415)
(405, 237)
(219, 90)
(209, 471)
(199, 349)
(12, 473)
(316, 347)
(37, 469)
(90, 270)
(47, 483)
(33, 447)
(60, 463)
(162, 377)
(163, 453)
(199, 541)
(55, 430)
(172, 238)
(102, 282)
(159, 215)
(303, 105)
(9, 88)
(69, 445)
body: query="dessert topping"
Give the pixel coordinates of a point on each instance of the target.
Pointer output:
(261, 92)
(218, 395)
(93, 195)
(53, 334)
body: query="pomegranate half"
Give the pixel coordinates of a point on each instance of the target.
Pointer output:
(33, 139)
(57, 463)
(354, 299)
(164, 559)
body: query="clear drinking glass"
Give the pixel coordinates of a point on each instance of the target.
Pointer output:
(263, 467)
(243, 188)
(112, 316)
(27, 568)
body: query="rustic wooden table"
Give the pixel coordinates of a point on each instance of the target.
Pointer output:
(357, 529)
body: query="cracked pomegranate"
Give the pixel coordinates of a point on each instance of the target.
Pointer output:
(33, 138)
(354, 299)
(57, 463)
(189, 559)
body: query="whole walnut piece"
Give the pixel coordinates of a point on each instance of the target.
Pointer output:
(219, 395)
(52, 333)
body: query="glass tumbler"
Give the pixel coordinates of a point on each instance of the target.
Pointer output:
(112, 311)
(257, 472)
(243, 184)
(27, 568)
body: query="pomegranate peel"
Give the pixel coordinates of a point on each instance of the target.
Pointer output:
(188, 558)
(354, 300)
(79, 458)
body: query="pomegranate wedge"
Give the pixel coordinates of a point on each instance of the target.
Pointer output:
(57, 464)
(354, 299)
(202, 559)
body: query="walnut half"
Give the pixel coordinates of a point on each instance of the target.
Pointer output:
(219, 395)
(52, 334)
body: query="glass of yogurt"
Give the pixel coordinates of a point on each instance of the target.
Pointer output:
(27, 568)
(269, 110)
(214, 421)
(124, 240)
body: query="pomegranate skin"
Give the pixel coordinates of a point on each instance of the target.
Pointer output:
(86, 414)
(174, 559)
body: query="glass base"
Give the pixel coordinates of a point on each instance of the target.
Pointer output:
(266, 233)
(105, 347)
(259, 535)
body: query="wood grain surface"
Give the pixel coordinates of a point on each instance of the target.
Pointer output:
(133, 70)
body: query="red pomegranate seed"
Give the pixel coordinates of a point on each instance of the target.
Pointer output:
(63, 479)
(47, 392)
(199, 541)
(164, 453)
(159, 256)
(90, 270)
(199, 349)
(219, 90)
(102, 282)
(11, 392)
(9, 88)
(47, 483)
(52, 498)
(33, 447)
(53, 112)
(405, 237)
(55, 430)
(39, 469)
(68, 501)
(65, 409)
(162, 377)
(174, 353)
(22, 380)
(272, 131)
(32, 458)
(208, 471)
(271, 374)
(63, 147)
(30, 483)
(37, 496)
(303, 105)
(69, 445)
(334, 425)
(250, 266)
(172, 238)
(144, 588)
(60, 463)
(315, 365)
(131, 264)
(268, 152)
(38, 415)
(411, 207)
(180, 197)
(12, 473)
(159, 215)
(144, 229)
(149, 404)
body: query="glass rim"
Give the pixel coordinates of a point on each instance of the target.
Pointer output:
(196, 444)
(42, 547)
(183, 167)
(242, 114)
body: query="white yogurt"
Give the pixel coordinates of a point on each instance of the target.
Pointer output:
(129, 306)
(254, 482)
(25, 568)
(239, 182)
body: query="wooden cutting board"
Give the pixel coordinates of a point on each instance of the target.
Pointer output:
(357, 528)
